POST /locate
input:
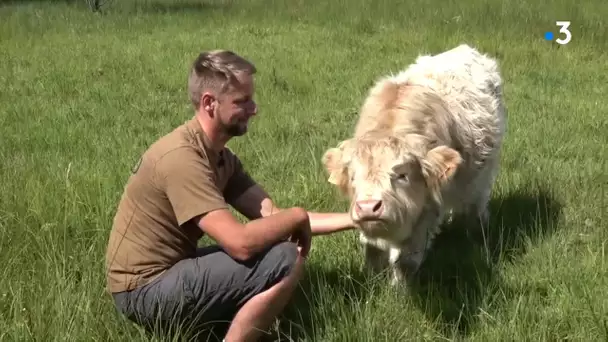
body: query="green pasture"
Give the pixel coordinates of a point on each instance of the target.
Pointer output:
(82, 95)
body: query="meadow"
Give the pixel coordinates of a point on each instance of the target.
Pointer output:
(83, 94)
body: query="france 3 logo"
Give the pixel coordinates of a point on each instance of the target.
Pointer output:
(564, 35)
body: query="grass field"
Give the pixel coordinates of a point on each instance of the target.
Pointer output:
(83, 94)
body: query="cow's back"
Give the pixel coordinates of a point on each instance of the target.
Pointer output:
(471, 86)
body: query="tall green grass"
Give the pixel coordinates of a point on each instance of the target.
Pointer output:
(83, 94)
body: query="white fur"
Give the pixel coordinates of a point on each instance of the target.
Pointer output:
(469, 86)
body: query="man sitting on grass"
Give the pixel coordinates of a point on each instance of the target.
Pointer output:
(179, 191)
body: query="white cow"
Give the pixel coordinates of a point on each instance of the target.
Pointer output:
(426, 146)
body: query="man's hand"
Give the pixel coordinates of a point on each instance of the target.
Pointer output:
(255, 203)
(303, 238)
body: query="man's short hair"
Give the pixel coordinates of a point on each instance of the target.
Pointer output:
(216, 70)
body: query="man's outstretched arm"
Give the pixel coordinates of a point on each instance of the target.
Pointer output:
(329, 223)
(256, 203)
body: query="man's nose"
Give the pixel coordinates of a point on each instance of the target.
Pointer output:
(369, 209)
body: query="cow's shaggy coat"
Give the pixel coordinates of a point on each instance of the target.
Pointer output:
(426, 146)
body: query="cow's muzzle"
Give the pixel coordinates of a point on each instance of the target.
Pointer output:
(369, 210)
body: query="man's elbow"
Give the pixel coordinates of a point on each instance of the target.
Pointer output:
(242, 248)
(240, 252)
(301, 215)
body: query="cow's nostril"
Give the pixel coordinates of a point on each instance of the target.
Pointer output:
(377, 206)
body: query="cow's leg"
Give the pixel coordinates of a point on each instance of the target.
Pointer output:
(406, 266)
(478, 215)
(479, 211)
(483, 203)
(376, 259)
(407, 260)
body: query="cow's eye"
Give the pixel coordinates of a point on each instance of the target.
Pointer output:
(403, 177)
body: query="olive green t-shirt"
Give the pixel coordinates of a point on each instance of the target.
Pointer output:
(178, 178)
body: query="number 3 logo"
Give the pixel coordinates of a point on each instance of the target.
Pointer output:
(563, 28)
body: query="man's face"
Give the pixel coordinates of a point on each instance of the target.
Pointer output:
(236, 106)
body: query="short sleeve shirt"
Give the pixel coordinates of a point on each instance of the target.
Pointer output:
(178, 178)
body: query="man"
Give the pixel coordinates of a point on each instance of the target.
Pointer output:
(179, 191)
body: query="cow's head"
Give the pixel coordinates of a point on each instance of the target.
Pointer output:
(388, 180)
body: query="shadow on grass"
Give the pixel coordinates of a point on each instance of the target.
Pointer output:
(452, 282)
(462, 267)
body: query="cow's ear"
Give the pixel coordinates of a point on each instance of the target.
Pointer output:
(440, 165)
(335, 162)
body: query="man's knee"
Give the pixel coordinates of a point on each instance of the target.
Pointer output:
(282, 257)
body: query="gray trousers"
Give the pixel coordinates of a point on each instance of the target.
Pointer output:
(206, 291)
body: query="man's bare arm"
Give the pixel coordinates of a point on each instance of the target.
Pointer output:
(255, 203)
(242, 241)
(329, 223)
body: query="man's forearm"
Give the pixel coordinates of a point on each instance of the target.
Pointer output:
(320, 223)
(267, 230)
(328, 223)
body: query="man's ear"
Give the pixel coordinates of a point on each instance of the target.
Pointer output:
(440, 165)
(334, 160)
(208, 102)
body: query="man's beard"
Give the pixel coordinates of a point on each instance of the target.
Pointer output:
(234, 129)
